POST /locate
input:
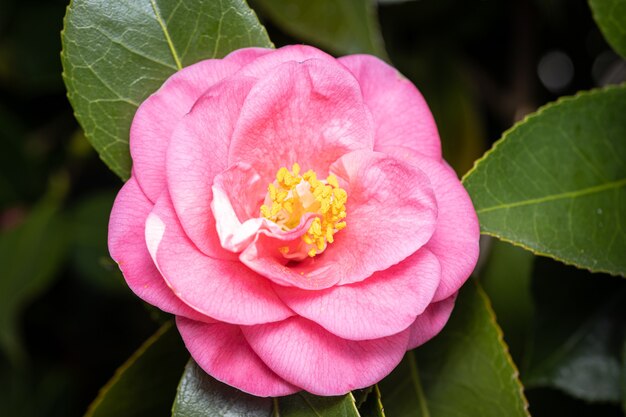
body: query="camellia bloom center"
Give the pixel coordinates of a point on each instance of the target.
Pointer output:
(293, 195)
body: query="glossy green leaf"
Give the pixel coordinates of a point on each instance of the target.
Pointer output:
(464, 371)
(577, 337)
(610, 15)
(115, 54)
(200, 395)
(303, 404)
(30, 254)
(341, 26)
(556, 182)
(146, 384)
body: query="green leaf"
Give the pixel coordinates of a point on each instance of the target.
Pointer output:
(200, 395)
(303, 404)
(464, 371)
(341, 26)
(30, 255)
(555, 183)
(115, 54)
(610, 15)
(506, 279)
(146, 384)
(577, 338)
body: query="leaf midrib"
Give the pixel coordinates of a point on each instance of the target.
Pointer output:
(560, 196)
(166, 33)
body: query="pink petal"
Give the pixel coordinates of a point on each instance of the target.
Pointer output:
(245, 56)
(222, 351)
(310, 112)
(224, 290)
(401, 115)
(197, 153)
(264, 257)
(237, 196)
(128, 248)
(391, 214)
(391, 209)
(383, 305)
(267, 64)
(455, 241)
(308, 356)
(159, 114)
(428, 324)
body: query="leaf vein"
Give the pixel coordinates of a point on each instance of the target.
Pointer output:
(569, 194)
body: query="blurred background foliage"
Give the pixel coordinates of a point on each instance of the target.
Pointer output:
(67, 320)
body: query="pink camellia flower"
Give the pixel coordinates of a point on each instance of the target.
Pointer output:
(294, 212)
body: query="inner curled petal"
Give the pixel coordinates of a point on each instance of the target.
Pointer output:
(292, 195)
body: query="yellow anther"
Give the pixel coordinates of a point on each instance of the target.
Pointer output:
(272, 190)
(292, 196)
(329, 233)
(280, 175)
(280, 196)
(296, 169)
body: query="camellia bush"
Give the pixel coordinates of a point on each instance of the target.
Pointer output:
(311, 219)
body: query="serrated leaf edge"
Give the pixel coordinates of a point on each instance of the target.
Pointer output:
(505, 135)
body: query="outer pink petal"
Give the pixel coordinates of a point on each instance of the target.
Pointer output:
(197, 153)
(159, 114)
(245, 56)
(222, 351)
(128, 247)
(401, 115)
(391, 213)
(224, 290)
(455, 241)
(308, 356)
(299, 53)
(384, 304)
(428, 324)
(310, 112)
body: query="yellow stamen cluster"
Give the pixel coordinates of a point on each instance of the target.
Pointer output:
(292, 195)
